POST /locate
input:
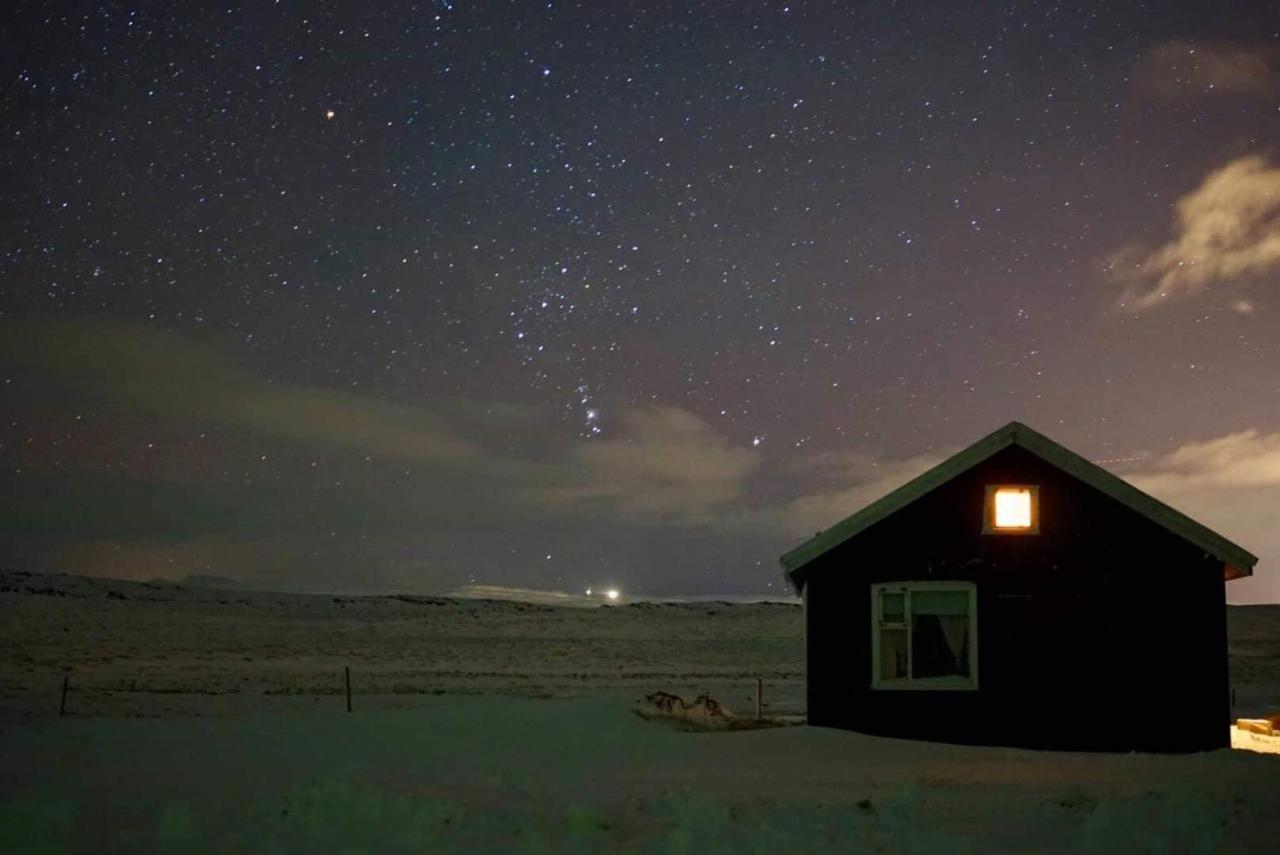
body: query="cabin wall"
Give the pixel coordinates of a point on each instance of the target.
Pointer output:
(1102, 632)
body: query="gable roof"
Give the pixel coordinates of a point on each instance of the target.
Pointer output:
(1236, 560)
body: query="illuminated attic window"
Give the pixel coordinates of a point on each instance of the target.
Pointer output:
(1012, 509)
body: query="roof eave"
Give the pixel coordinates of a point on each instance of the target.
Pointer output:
(1231, 572)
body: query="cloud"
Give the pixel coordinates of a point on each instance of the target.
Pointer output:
(1225, 230)
(1246, 460)
(144, 560)
(166, 376)
(666, 465)
(859, 480)
(402, 495)
(1232, 485)
(1183, 69)
(277, 562)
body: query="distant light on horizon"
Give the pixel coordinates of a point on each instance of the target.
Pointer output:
(612, 593)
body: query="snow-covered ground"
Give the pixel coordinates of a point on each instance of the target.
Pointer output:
(490, 774)
(158, 649)
(214, 721)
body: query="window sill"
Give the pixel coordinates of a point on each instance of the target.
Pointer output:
(928, 684)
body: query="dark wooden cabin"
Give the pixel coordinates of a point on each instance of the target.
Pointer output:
(1017, 594)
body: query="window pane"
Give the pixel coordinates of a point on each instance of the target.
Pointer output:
(893, 607)
(939, 602)
(939, 644)
(893, 654)
(1013, 507)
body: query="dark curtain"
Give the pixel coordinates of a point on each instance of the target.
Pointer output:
(939, 646)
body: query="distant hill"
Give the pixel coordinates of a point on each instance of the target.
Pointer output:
(522, 595)
(207, 580)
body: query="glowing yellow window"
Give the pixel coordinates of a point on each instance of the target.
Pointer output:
(1012, 509)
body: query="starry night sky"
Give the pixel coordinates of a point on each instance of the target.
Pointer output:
(403, 296)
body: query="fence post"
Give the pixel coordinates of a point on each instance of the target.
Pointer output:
(347, 669)
(759, 698)
(62, 706)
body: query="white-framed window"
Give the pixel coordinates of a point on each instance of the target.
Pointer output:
(1011, 509)
(924, 635)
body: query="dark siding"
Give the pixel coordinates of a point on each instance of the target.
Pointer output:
(1103, 632)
